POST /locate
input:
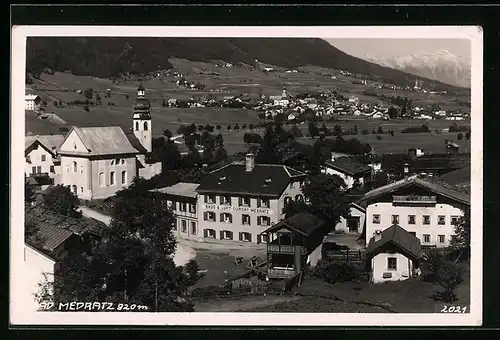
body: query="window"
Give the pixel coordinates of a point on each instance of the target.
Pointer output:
(112, 178)
(441, 238)
(122, 161)
(39, 169)
(264, 220)
(136, 126)
(124, 177)
(454, 220)
(33, 170)
(193, 228)
(292, 185)
(75, 167)
(244, 201)
(427, 238)
(145, 126)
(264, 238)
(426, 220)
(101, 179)
(192, 208)
(395, 219)
(245, 219)
(376, 219)
(411, 219)
(441, 220)
(44, 158)
(209, 199)
(226, 200)
(182, 206)
(263, 203)
(52, 169)
(226, 218)
(112, 162)
(209, 233)
(184, 226)
(246, 237)
(226, 235)
(81, 169)
(392, 263)
(209, 216)
(81, 190)
(173, 205)
(413, 233)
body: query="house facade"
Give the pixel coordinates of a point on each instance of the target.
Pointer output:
(352, 171)
(183, 198)
(32, 102)
(423, 207)
(41, 156)
(37, 268)
(240, 201)
(353, 224)
(96, 162)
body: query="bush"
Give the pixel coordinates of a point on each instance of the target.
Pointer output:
(332, 272)
(379, 137)
(430, 266)
(416, 129)
(449, 276)
(365, 132)
(460, 136)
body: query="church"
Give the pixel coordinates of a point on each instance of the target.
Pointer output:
(96, 162)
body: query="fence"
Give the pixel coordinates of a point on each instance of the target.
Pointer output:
(345, 255)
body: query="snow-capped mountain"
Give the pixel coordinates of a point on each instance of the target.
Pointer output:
(441, 66)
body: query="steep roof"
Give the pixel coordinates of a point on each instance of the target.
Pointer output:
(31, 96)
(264, 180)
(433, 185)
(104, 140)
(303, 223)
(348, 165)
(50, 142)
(51, 236)
(136, 144)
(180, 189)
(395, 235)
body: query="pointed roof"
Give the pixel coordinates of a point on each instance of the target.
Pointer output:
(141, 87)
(303, 223)
(396, 236)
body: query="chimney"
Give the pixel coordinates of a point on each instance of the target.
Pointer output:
(250, 162)
(378, 235)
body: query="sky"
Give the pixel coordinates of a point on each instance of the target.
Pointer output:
(390, 47)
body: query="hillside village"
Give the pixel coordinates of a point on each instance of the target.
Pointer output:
(305, 213)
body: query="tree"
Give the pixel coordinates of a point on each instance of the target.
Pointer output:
(200, 128)
(244, 126)
(164, 104)
(467, 135)
(324, 129)
(355, 129)
(380, 130)
(87, 93)
(392, 112)
(193, 158)
(218, 127)
(250, 127)
(461, 237)
(220, 154)
(167, 133)
(460, 136)
(228, 128)
(97, 97)
(236, 127)
(61, 200)
(55, 103)
(379, 137)
(219, 140)
(86, 108)
(449, 276)
(296, 132)
(269, 148)
(337, 130)
(313, 129)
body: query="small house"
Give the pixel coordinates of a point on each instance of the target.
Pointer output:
(393, 255)
(32, 102)
(452, 147)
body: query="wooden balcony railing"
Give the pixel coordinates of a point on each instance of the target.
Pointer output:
(281, 273)
(414, 199)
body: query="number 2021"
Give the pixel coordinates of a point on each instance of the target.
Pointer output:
(454, 309)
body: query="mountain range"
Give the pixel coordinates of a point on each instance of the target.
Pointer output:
(441, 65)
(113, 56)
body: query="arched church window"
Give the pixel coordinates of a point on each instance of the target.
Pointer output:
(145, 126)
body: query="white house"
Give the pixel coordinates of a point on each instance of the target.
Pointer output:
(349, 169)
(96, 162)
(41, 156)
(354, 223)
(425, 207)
(393, 255)
(32, 102)
(37, 267)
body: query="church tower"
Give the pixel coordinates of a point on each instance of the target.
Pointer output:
(283, 93)
(142, 126)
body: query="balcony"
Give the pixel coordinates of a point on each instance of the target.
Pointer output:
(283, 249)
(413, 199)
(281, 273)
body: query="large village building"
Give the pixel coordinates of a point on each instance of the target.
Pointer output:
(425, 207)
(96, 162)
(352, 171)
(183, 199)
(239, 201)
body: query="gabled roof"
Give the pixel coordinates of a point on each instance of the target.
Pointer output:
(303, 223)
(348, 165)
(31, 96)
(395, 235)
(136, 144)
(433, 185)
(103, 140)
(51, 236)
(50, 142)
(40, 252)
(264, 180)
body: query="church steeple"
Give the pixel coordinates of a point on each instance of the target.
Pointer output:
(142, 125)
(283, 93)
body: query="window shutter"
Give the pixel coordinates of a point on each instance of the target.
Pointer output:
(242, 219)
(206, 198)
(259, 202)
(205, 232)
(222, 217)
(241, 236)
(240, 201)
(249, 237)
(259, 239)
(258, 220)
(230, 235)
(221, 234)
(230, 218)
(205, 216)
(249, 220)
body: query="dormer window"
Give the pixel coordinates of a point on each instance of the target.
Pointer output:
(263, 203)
(225, 200)
(244, 201)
